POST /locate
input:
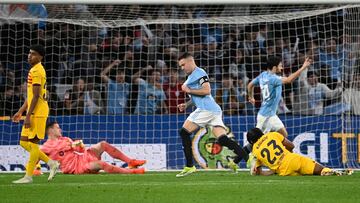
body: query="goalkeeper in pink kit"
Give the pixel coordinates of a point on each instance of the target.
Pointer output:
(74, 158)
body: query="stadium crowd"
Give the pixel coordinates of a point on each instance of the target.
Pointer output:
(133, 69)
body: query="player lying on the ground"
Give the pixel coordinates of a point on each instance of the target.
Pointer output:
(75, 158)
(271, 150)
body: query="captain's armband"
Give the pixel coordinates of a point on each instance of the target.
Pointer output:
(204, 80)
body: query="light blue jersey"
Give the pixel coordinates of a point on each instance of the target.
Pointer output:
(194, 81)
(149, 98)
(271, 88)
(117, 96)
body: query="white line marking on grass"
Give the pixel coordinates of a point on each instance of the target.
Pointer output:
(141, 184)
(172, 183)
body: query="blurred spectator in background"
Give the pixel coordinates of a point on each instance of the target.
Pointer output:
(74, 98)
(39, 10)
(261, 37)
(350, 49)
(317, 93)
(228, 97)
(151, 97)
(251, 45)
(325, 77)
(331, 56)
(237, 65)
(252, 52)
(2, 77)
(211, 59)
(92, 99)
(10, 102)
(211, 30)
(56, 105)
(351, 95)
(283, 49)
(162, 67)
(117, 90)
(313, 51)
(174, 94)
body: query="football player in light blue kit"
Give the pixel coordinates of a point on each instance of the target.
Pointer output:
(207, 113)
(271, 89)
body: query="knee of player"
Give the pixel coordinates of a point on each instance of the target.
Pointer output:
(103, 142)
(223, 140)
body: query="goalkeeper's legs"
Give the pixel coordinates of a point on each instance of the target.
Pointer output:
(108, 168)
(103, 146)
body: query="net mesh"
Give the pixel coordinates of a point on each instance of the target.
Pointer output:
(112, 72)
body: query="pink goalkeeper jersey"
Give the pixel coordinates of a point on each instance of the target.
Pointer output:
(71, 161)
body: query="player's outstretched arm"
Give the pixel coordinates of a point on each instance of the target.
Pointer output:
(293, 76)
(259, 172)
(266, 173)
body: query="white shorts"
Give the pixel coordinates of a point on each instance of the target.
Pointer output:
(269, 124)
(204, 118)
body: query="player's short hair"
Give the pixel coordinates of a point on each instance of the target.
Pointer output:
(50, 125)
(273, 61)
(184, 56)
(39, 49)
(253, 135)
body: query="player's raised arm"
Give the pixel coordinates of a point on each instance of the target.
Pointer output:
(293, 76)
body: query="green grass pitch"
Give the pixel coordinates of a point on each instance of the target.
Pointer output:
(203, 186)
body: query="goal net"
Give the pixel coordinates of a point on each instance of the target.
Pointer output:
(112, 75)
